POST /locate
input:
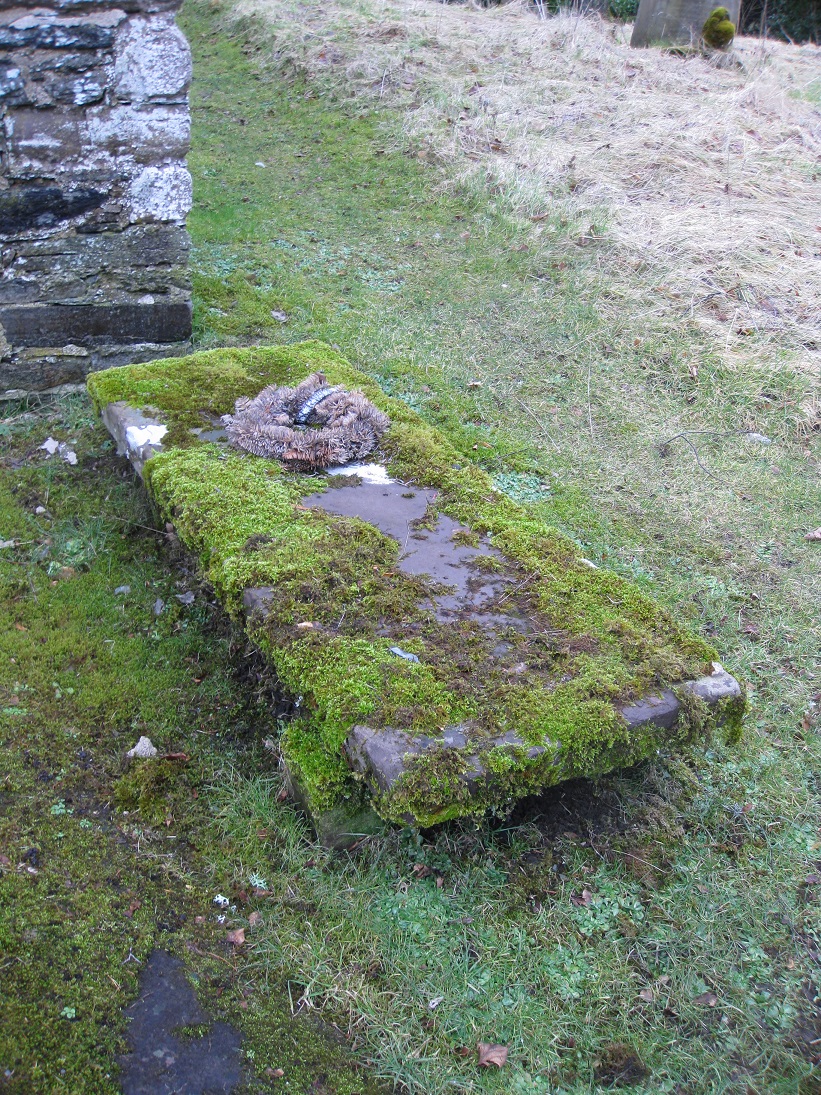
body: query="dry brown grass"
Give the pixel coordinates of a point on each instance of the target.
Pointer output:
(702, 179)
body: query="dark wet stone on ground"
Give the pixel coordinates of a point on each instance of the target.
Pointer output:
(163, 1060)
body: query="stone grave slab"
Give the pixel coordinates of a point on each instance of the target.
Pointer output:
(447, 650)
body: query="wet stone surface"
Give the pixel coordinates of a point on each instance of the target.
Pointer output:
(431, 544)
(167, 1059)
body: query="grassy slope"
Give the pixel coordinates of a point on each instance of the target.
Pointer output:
(688, 878)
(706, 887)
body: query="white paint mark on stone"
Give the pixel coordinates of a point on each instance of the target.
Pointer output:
(137, 436)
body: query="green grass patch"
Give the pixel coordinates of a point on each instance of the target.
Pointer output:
(103, 859)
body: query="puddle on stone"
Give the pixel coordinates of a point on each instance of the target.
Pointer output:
(396, 510)
(163, 1060)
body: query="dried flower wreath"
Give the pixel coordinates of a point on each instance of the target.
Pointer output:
(277, 424)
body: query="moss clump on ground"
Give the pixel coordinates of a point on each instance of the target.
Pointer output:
(339, 602)
(718, 30)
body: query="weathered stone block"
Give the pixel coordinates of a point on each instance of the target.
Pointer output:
(445, 650)
(155, 134)
(41, 30)
(43, 138)
(38, 369)
(55, 324)
(162, 193)
(43, 207)
(153, 61)
(12, 85)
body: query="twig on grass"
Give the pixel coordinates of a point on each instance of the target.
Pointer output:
(541, 425)
(685, 436)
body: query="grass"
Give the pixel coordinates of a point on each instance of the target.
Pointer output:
(684, 878)
(694, 181)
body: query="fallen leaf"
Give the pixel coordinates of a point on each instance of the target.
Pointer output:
(421, 870)
(274, 1073)
(585, 899)
(5, 861)
(647, 995)
(462, 1051)
(254, 919)
(132, 908)
(693, 371)
(236, 937)
(20, 627)
(707, 999)
(174, 756)
(490, 1054)
(814, 535)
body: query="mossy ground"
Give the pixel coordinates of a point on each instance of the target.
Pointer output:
(105, 859)
(683, 877)
(597, 640)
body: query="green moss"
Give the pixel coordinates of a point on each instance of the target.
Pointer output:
(154, 788)
(718, 30)
(339, 602)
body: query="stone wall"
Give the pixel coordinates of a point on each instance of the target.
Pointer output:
(94, 191)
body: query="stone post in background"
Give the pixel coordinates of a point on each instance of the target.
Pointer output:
(676, 22)
(94, 191)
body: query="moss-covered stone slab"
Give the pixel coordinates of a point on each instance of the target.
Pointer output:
(447, 651)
